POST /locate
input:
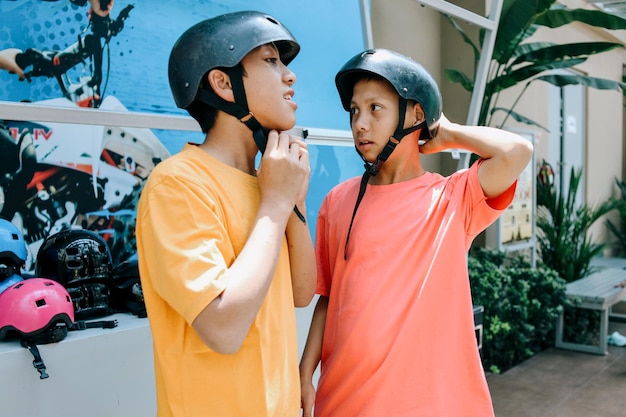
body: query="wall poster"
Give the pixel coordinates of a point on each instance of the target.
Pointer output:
(55, 176)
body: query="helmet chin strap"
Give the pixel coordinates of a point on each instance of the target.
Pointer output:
(372, 169)
(239, 109)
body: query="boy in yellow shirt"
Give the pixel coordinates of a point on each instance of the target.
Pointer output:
(223, 256)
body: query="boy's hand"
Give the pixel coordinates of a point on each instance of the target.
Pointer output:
(307, 395)
(439, 142)
(284, 171)
(304, 153)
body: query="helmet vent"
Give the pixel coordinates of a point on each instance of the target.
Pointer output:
(14, 236)
(272, 20)
(40, 303)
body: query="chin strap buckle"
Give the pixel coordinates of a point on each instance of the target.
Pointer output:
(38, 363)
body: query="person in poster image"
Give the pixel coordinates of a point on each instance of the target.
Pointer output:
(101, 8)
(393, 326)
(223, 254)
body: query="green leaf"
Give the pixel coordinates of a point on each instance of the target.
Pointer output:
(466, 39)
(534, 52)
(562, 16)
(514, 18)
(457, 76)
(529, 47)
(518, 117)
(516, 25)
(514, 77)
(561, 80)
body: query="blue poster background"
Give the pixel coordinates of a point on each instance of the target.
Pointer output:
(91, 176)
(135, 66)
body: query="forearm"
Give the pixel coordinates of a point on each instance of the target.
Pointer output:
(312, 354)
(225, 322)
(301, 260)
(506, 154)
(487, 142)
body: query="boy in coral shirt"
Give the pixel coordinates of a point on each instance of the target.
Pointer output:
(393, 327)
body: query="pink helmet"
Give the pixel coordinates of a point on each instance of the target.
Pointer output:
(37, 309)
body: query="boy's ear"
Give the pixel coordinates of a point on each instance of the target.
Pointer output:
(220, 83)
(418, 113)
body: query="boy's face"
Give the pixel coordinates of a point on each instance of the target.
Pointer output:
(268, 88)
(374, 114)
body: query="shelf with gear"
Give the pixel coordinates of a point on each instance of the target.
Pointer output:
(109, 369)
(65, 324)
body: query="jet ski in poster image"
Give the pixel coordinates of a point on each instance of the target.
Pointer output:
(55, 176)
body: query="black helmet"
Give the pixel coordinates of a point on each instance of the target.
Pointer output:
(126, 290)
(222, 42)
(80, 260)
(410, 80)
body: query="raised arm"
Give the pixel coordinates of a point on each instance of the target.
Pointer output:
(506, 154)
(225, 322)
(301, 259)
(301, 251)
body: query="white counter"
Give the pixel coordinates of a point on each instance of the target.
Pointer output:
(92, 373)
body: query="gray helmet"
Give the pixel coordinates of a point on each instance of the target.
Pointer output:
(410, 80)
(222, 42)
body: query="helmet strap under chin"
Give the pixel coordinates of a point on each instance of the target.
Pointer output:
(238, 108)
(372, 169)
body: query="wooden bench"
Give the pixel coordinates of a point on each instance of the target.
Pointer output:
(598, 291)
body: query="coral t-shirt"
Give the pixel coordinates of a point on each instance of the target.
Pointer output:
(399, 337)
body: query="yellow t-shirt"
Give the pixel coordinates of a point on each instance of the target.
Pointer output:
(194, 216)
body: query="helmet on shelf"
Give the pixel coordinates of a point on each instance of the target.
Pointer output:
(12, 245)
(126, 291)
(39, 310)
(6, 283)
(80, 260)
(13, 254)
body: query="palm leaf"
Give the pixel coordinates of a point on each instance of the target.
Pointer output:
(518, 117)
(457, 76)
(560, 16)
(535, 53)
(466, 39)
(526, 48)
(514, 19)
(513, 78)
(561, 80)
